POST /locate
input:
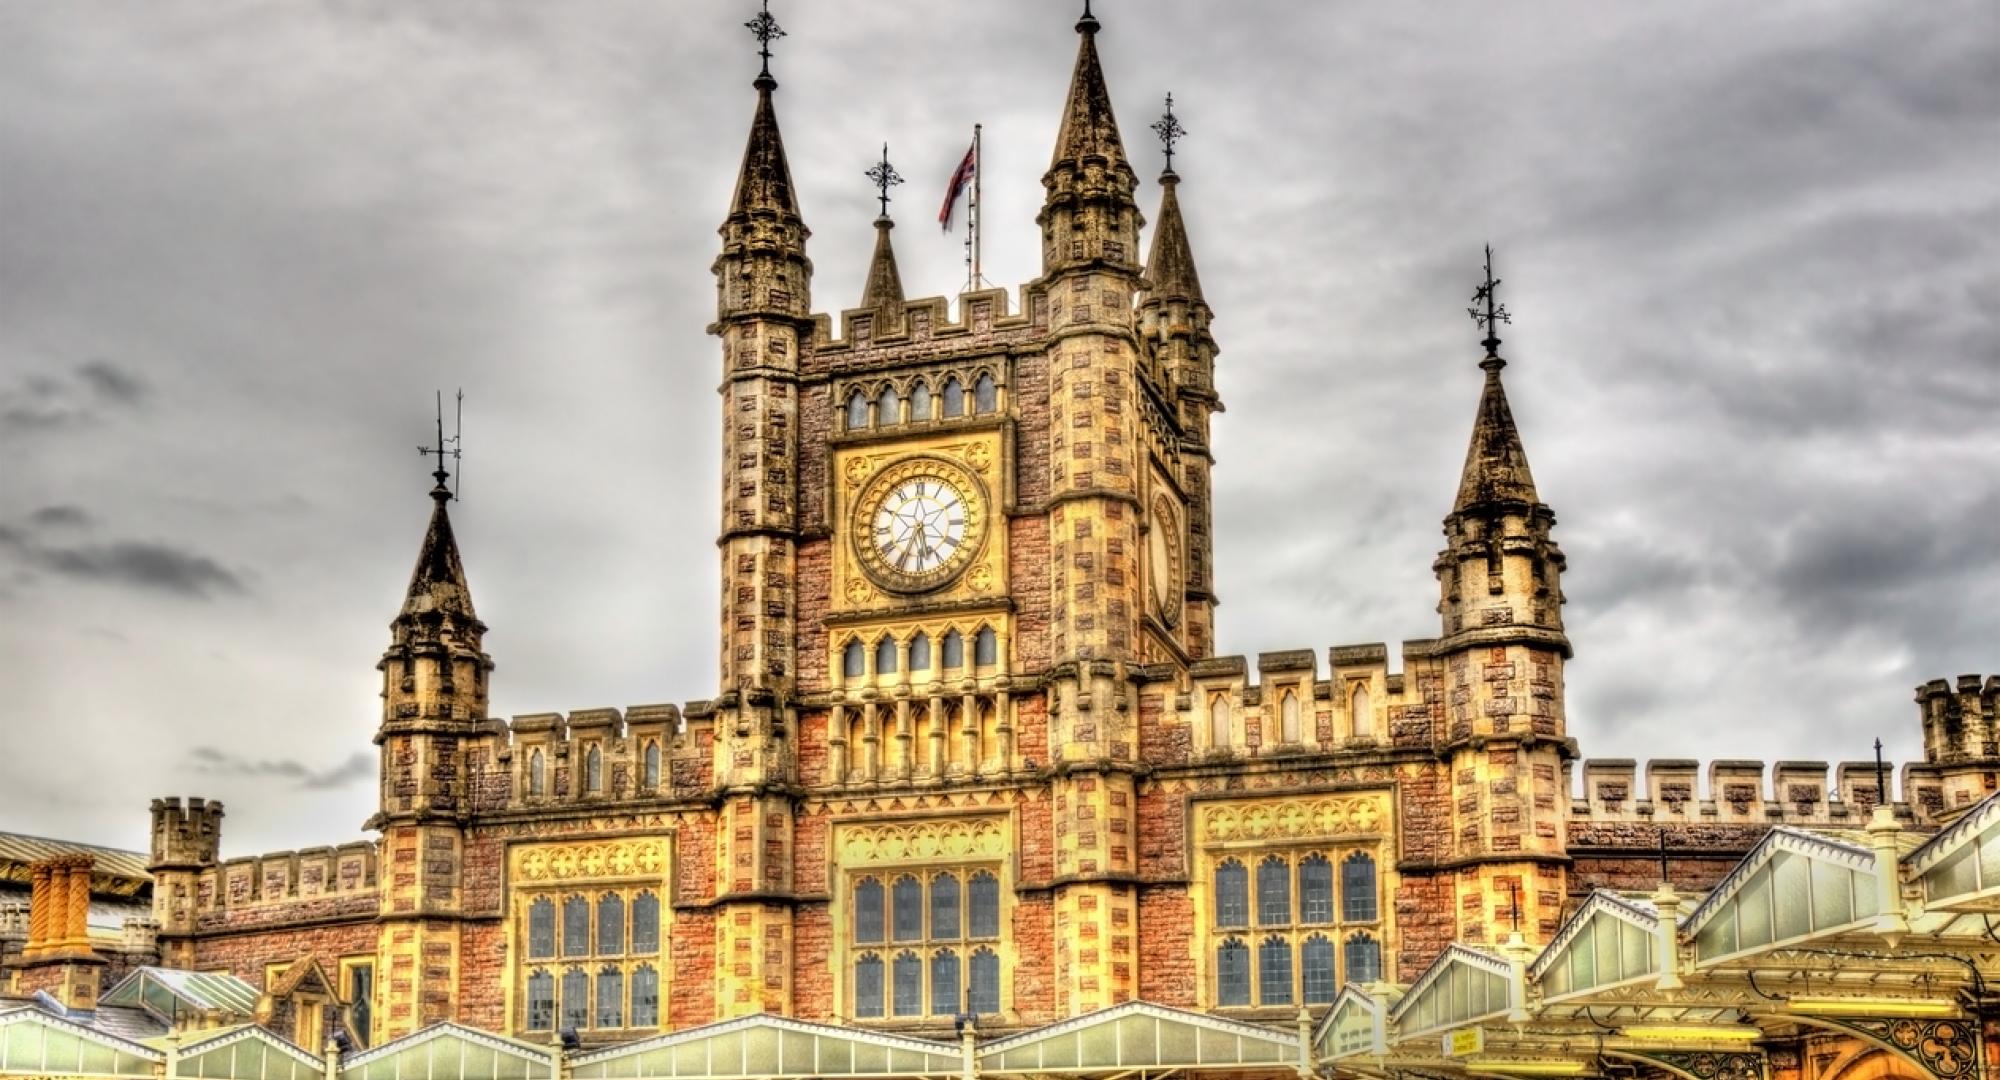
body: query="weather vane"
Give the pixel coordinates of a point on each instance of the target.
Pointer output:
(766, 30)
(447, 448)
(1490, 319)
(885, 177)
(1168, 128)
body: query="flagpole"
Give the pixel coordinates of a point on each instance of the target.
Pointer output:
(977, 169)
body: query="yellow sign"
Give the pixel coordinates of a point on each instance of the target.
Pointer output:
(1464, 1042)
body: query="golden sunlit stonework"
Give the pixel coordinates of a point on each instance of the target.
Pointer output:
(974, 794)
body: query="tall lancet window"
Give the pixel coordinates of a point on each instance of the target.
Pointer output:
(920, 402)
(1363, 713)
(537, 774)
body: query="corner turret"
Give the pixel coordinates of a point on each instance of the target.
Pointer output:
(1503, 648)
(1961, 725)
(187, 843)
(1089, 219)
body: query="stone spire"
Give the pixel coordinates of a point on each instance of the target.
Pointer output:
(884, 291)
(437, 585)
(1088, 127)
(764, 183)
(1170, 272)
(1496, 475)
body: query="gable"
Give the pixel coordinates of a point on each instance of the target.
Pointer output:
(1960, 866)
(1355, 1025)
(1137, 1035)
(450, 1051)
(1792, 885)
(33, 1043)
(762, 1046)
(1462, 985)
(170, 993)
(248, 1053)
(1609, 940)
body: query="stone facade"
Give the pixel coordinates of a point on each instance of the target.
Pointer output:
(970, 749)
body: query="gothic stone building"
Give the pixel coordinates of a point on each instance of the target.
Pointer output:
(971, 751)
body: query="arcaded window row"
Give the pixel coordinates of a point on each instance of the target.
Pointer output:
(886, 653)
(593, 770)
(914, 402)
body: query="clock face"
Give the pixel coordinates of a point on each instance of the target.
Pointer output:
(918, 524)
(1163, 562)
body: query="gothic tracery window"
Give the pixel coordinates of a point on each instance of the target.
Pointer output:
(857, 411)
(985, 395)
(920, 402)
(1309, 938)
(943, 932)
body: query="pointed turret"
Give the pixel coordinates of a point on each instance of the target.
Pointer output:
(1089, 217)
(764, 182)
(763, 269)
(1170, 270)
(437, 585)
(1496, 473)
(884, 291)
(1089, 129)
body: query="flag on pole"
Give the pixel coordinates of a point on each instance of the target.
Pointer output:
(959, 178)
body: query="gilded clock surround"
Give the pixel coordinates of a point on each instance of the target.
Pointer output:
(892, 505)
(976, 575)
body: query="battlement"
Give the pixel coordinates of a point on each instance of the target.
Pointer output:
(1282, 704)
(285, 876)
(186, 835)
(1739, 792)
(644, 751)
(980, 312)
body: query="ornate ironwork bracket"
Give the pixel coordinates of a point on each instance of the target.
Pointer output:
(1706, 1064)
(1946, 1049)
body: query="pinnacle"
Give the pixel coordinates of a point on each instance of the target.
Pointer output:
(1496, 466)
(1170, 269)
(437, 585)
(765, 181)
(1088, 127)
(885, 284)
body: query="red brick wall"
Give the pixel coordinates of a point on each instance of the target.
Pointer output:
(1166, 935)
(814, 963)
(1163, 852)
(691, 994)
(482, 959)
(246, 955)
(1035, 944)
(812, 748)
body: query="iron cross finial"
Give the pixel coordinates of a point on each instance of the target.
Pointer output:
(885, 177)
(1168, 128)
(1490, 319)
(766, 30)
(445, 448)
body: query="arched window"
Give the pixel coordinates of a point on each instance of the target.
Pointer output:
(985, 395)
(954, 651)
(854, 660)
(906, 909)
(1315, 889)
(645, 997)
(1316, 964)
(888, 407)
(920, 402)
(946, 920)
(944, 983)
(1232, 973)
(1288, 722)
(885, 656)
(907, 980)
(651, 774)
(857, 411)
(983, 996)
(537, 775)
(610, 997)
(867, 911)
(576, 998)
(1363, 713)
(954, 398)
(541, 1000)
(645, 924)
(575, 927)
(985, 905)
(1218, 722)
(985, 647)
(593, 770)
(1274, 971)
(541, 928)
(920, 652)
(1364, 959)
(1274, 892)
(610, 925)
(868, 986)
(1232, 894)
(1357, 888)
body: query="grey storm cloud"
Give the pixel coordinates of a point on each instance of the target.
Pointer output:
(216, 761)
(1755, 356)
(40, 401)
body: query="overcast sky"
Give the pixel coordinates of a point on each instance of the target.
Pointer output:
(1750, 250)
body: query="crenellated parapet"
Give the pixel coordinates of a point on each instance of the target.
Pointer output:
(875, 335)
(278, 878)
(1961, 726)
(593, 757)
(1607, 791)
